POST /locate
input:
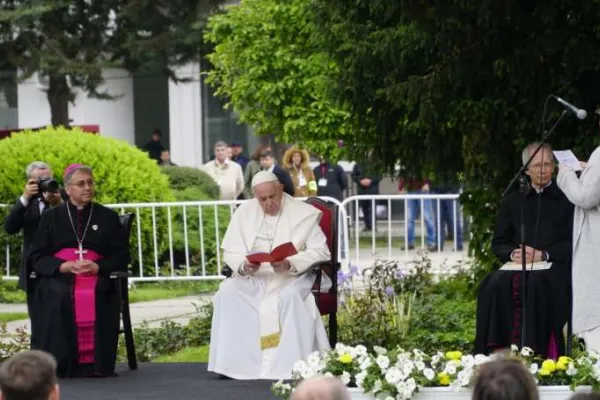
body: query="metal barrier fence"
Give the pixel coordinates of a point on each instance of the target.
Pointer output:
(393, 218)
(182, 240)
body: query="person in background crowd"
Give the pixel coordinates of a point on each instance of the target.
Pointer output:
(367, 184)
(226, 173)
(25, 215)
(165, 159)
(331, 180)
(237, 154)
(154, 147)
(252, 168)
(29, 375)
(267, 163)
(297, 162)
(450, 214)
(419, 186)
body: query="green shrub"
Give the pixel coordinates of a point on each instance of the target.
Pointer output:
(182, 178)
(444, 317)
(124, 174)
(170, 337)
(197, 254)
(12, 343)
(441, 316)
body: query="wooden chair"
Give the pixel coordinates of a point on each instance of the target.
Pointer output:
(122, 278)
(326, 302)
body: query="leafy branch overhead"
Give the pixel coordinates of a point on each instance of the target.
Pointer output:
(452, 90)
(270, 66)
(73, 43)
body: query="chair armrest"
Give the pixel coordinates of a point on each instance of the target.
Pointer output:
(120, 274)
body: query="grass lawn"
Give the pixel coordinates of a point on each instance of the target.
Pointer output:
(191, 355)
(170, 290)
(143, 291)
(12, 295)
(8, 317)
(366, 242)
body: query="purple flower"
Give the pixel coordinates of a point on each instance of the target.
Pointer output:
(399, 274)
(341, 277)
(390, 291)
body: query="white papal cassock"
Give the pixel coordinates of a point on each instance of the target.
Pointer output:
(250, 308)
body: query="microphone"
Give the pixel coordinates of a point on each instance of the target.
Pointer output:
(580, 113)
(524, 186)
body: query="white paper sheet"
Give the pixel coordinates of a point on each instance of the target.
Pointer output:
(568, 158)
(537, 266)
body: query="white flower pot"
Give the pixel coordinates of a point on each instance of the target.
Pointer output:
(546, 393)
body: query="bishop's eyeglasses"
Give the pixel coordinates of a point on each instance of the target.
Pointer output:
(81, 184)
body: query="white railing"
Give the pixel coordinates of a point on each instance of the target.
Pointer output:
(182, 240)
(390, 224)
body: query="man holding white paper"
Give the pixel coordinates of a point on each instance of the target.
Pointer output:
(265, 318)
(584, 192)
(548, 221)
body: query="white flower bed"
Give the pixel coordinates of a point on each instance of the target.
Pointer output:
(399, 374)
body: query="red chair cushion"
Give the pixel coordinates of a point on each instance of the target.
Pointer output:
(326, 302)
(325, 224)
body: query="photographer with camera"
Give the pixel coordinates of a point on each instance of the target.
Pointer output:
(41, 192)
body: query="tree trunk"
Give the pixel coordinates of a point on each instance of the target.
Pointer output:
(59, 95)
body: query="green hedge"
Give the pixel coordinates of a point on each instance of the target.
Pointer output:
(182, 178)
(124, 174)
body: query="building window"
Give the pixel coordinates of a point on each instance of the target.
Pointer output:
(220, 124)
(9, 115)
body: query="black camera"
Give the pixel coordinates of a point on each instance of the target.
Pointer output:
(47, 184)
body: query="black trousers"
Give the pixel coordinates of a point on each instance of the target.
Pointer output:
(367, 208)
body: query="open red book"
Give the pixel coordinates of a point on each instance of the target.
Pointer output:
(279, 253)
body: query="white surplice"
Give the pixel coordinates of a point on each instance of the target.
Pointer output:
(248, 307)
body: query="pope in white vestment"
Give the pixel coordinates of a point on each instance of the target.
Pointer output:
(265, 317)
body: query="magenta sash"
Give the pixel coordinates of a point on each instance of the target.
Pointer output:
(84, 303)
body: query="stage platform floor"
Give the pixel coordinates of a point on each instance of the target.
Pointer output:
(164, 381)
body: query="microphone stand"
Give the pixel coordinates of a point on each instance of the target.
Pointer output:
(524, 185)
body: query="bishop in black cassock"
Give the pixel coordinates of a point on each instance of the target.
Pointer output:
(77, 246)
(548, 291)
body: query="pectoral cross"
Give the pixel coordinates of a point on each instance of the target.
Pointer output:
(80, 252)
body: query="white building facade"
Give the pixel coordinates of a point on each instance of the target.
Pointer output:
(190, 117)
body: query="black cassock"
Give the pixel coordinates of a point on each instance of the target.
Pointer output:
(548, 291)
(54, 325)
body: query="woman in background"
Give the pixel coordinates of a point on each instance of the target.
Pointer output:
(297, 162)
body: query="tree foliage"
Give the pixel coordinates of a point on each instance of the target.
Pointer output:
(452, 90)
(458, 87)
(72, 42)
(270, 65)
